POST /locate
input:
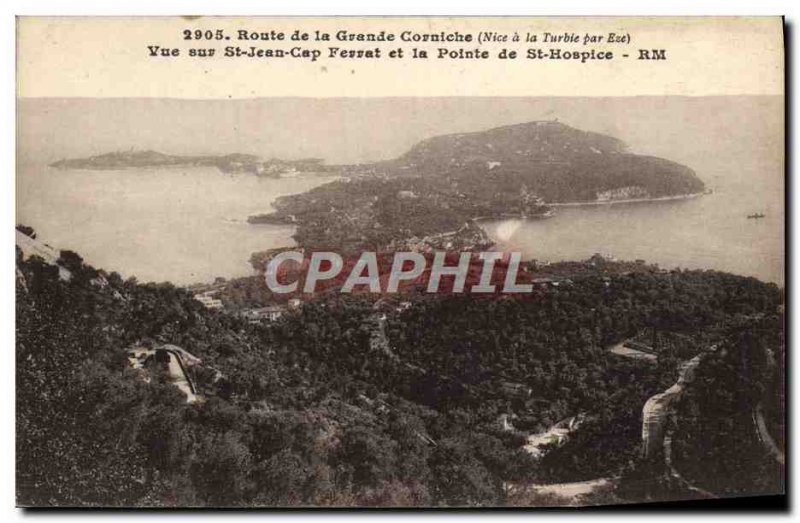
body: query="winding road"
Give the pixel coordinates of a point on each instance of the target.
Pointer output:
(765, 437)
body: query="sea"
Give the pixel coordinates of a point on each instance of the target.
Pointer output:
(187, 225)
(182, 225)
(706, 232)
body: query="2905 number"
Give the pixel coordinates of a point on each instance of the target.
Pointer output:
(200, 34)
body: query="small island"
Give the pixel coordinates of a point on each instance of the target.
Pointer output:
(229, 163)
(443, 185)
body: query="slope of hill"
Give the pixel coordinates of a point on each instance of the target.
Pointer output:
(311, 411)
(556, 162)
(373, 213)
(445, 181)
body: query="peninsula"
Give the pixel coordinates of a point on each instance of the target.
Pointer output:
(229, 163)
(424, 197)
(446, 181)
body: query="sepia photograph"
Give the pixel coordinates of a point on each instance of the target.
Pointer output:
(421, 301)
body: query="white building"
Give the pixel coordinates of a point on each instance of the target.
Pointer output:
(209, 301)
(271, 313)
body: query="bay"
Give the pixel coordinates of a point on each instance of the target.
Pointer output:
(706, 232)
(182, 225)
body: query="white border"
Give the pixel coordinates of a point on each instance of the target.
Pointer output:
(10, 8)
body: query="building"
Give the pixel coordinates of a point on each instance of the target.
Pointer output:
(271, 313)
(208, 298)
(209, 301)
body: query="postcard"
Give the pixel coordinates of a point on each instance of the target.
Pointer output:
(399, 261)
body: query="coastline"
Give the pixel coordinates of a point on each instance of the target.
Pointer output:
(630, 200)
(513, 216)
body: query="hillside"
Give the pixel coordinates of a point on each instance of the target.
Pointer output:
(347, 403)
(443, 182)
(376, 213)
(555, 161)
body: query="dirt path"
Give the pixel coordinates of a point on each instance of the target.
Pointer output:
(621, 350)
(560, 494)
(574, 489)
(765, 437)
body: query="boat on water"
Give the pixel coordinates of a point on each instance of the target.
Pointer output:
(756, 215)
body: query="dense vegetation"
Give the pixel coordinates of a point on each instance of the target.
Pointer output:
(717, 443)
(372, 213)
(447, 180)
(442, 183)
(556, 162)
(333, 405)
(281, 428)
